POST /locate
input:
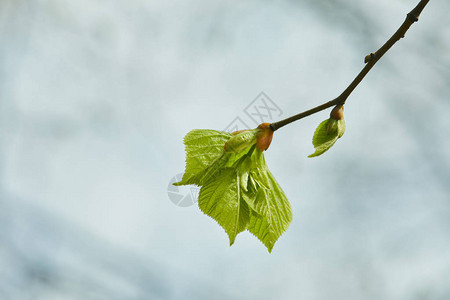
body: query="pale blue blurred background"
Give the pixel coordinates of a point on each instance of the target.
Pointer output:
(96, 96)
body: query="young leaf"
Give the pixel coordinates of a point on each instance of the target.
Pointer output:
(220, 198)
(241, 140)
(237, 188)
(326, 135)
(271, 214)
(203, 147)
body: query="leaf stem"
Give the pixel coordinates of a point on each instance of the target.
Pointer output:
(370, 60)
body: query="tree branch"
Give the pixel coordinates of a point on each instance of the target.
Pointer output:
(370, 60)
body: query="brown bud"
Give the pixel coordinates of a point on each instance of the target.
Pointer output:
(369, 57)
(337, 113)
(264, 136)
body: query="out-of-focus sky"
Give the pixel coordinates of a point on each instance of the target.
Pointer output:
(96, 96)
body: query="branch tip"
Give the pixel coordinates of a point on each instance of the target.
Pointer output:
(370, 60)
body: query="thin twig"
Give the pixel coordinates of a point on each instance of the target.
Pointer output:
(370, 61)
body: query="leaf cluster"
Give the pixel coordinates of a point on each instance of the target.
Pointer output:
(237, 188)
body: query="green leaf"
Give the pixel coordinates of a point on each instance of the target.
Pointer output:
(203, 148)
(220, 198)
(241, 141)
(326, 135)
(271, 212)
(237, 188)
(341, 128)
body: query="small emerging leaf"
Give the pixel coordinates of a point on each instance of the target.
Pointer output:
(241, 140)
(326, 135)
